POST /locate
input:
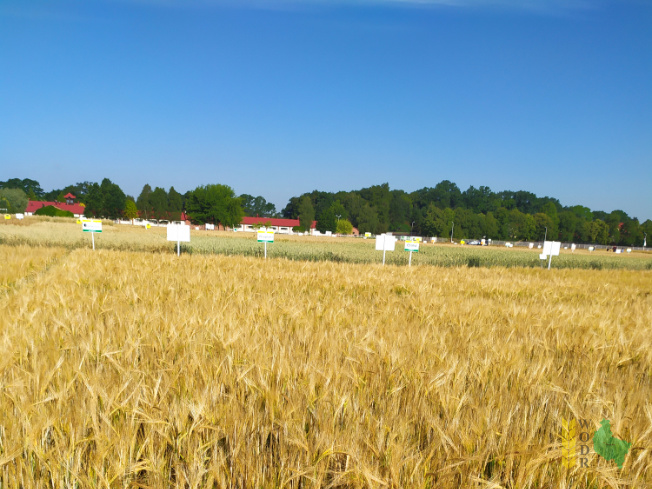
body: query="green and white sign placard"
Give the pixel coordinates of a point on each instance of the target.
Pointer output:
(412, 246)
(92, 226)
(265, 236)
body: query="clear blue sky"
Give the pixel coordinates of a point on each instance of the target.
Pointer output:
(277, 98)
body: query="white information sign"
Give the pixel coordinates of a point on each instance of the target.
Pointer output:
(179, 232)
(550, 249)
(20, 216)
(384, 243)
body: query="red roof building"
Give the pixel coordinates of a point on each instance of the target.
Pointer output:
(70, 206)
(279, 225)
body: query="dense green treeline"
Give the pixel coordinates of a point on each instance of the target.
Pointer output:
(430, 211)
(473, 213)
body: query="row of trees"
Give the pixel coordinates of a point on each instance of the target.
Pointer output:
(430, 211)
(105, 199)
(159, 204)
(476, 213)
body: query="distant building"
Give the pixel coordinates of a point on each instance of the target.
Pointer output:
(281, 226)
(70, 206)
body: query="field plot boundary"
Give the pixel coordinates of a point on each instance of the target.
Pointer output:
(295, 248)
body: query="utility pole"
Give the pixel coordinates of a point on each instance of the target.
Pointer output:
(452, 228)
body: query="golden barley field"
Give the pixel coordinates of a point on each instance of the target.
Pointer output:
(123, 369)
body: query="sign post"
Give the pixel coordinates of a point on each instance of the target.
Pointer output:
(385, 242)
(550, 248)
(92, 226)
(411, 246)
(179, 233)
(265, 237)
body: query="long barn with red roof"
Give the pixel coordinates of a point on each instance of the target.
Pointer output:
(281, 226)
(70, 206)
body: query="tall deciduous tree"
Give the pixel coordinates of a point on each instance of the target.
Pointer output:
(327, 221)
(143, 203)
(432, 223)
(158, 200)
(105, 200)
(489, 226)
(175, 204)
(379, 197)
(368, 220)
(550, 209)
(215, 204)
(257, 206)
(291, 211)
(344, 226)
(306, 213)
(14, 200)
(131, 211)
(598, 232)
(400, 210)
(544, 227)
(93, 201)
(113, 199)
